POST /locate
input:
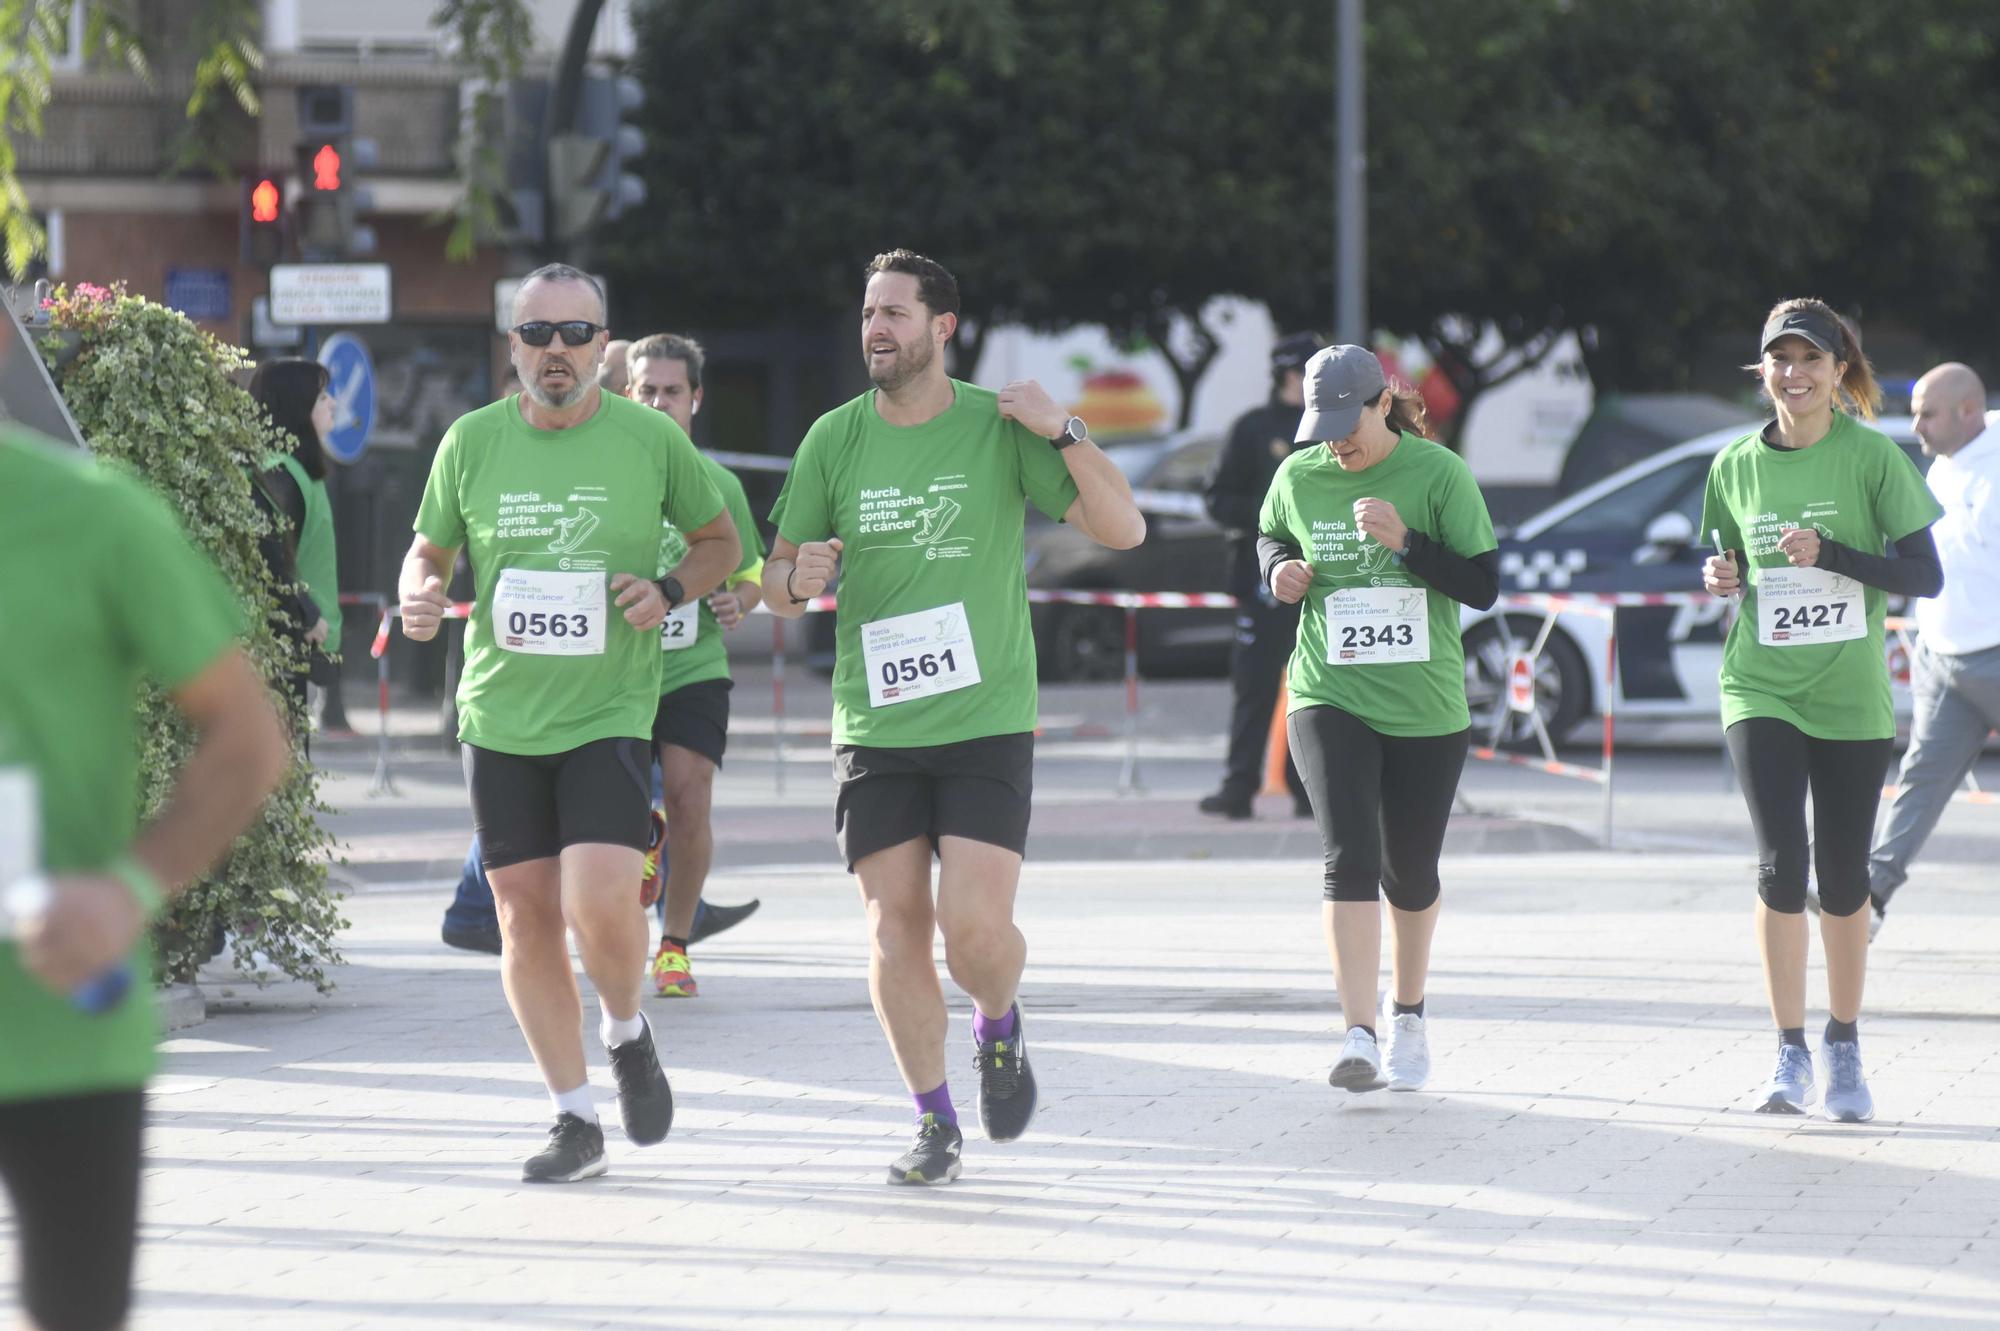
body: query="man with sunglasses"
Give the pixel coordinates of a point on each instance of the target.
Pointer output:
(558, 495)
(919, 487)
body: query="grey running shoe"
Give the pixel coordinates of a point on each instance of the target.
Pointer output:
(645, 1101)
(1790, 1089)
(575, 1151)
(1007, 1091)
(934, 1157)
(1847, 1097)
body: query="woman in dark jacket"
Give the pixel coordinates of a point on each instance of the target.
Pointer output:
(294, 393)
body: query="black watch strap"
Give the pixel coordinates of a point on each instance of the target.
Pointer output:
(670, 587)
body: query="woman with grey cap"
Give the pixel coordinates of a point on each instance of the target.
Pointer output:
(1383, 533)
(1800, 513)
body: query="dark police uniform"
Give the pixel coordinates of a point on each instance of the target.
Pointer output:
(1266, 630)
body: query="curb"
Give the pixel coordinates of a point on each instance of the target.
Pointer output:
(180, 1006)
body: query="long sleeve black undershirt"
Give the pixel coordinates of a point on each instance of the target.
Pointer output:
(1471, 581)
(1915, 571)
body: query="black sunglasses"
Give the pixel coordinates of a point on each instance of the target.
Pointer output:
(540, 332)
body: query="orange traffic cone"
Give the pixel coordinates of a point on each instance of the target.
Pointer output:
(1277, 751)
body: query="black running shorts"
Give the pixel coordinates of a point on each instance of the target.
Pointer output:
(696, 717)
(531, 807)
(71, 1168)
(977, 788)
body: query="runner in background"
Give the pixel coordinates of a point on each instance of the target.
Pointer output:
(691, 728)
(918, 489)
(1801, 512)
(1383, 534)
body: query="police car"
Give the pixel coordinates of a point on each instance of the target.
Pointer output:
(1634, 531)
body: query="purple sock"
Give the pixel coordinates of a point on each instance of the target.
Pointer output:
(987, 1029)
(937, 1103)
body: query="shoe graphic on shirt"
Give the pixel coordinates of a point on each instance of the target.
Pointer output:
(937, 520)
(573, 532)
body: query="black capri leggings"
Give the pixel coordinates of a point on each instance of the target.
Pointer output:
(1381, 802)
(71, 1168)
(1776, 762)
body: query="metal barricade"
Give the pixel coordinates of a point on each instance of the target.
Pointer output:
(1519, 682)
(1131, 602)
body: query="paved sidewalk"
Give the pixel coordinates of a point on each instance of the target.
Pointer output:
(1583, 1157)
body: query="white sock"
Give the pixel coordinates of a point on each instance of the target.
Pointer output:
(576, 1102)
(615, 1032)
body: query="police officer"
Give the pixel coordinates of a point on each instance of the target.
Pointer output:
(1265, 630)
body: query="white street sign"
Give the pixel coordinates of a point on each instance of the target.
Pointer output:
(330, 293)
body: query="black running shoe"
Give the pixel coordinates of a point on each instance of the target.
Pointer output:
(575, 1151)
(645, 1101)
(1006, 1085)
(934, 1157)
(1229, 804)
(712, 920)
(472, 937)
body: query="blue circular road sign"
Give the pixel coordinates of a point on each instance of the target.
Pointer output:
(350, 376)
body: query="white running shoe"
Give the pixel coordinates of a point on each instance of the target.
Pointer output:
(1409, 1053)
(1359, 1067)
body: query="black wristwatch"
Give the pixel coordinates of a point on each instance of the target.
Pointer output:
(670, 587)
(1073, 431)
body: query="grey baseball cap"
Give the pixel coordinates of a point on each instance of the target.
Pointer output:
(1811, 325)
(1340, 381)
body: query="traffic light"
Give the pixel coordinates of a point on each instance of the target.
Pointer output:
(263, 221)
(328, 154)
(590, 179)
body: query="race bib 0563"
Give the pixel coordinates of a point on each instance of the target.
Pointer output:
(549, 614)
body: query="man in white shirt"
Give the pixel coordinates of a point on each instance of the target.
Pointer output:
(1955, 676)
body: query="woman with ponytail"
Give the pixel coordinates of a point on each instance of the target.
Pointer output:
(1801, 513)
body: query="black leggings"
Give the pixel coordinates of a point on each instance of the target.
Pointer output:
(71, 1166)
(1381, 802)
(1776, 762)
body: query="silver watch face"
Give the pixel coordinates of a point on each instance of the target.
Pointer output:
(1076, 430)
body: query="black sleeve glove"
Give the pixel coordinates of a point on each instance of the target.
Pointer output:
(1915, 571)
(1474, 582)
(1272, 552)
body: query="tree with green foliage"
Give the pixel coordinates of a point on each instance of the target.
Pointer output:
(1117, 165)
(152, 393)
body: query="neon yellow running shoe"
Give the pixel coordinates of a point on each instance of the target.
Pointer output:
(654, 878)
(672, 977)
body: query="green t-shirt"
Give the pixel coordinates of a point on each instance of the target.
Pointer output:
(1854, 486)
(99, 589)
(691, 641)
(933, 587)
(318, 566)
(547, 517)
(1397, 663)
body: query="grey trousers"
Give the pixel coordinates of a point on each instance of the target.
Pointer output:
(1956, 700)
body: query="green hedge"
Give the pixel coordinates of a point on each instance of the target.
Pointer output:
(153, 393)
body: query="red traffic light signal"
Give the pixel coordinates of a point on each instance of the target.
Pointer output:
(326, 168)
(264, 201)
